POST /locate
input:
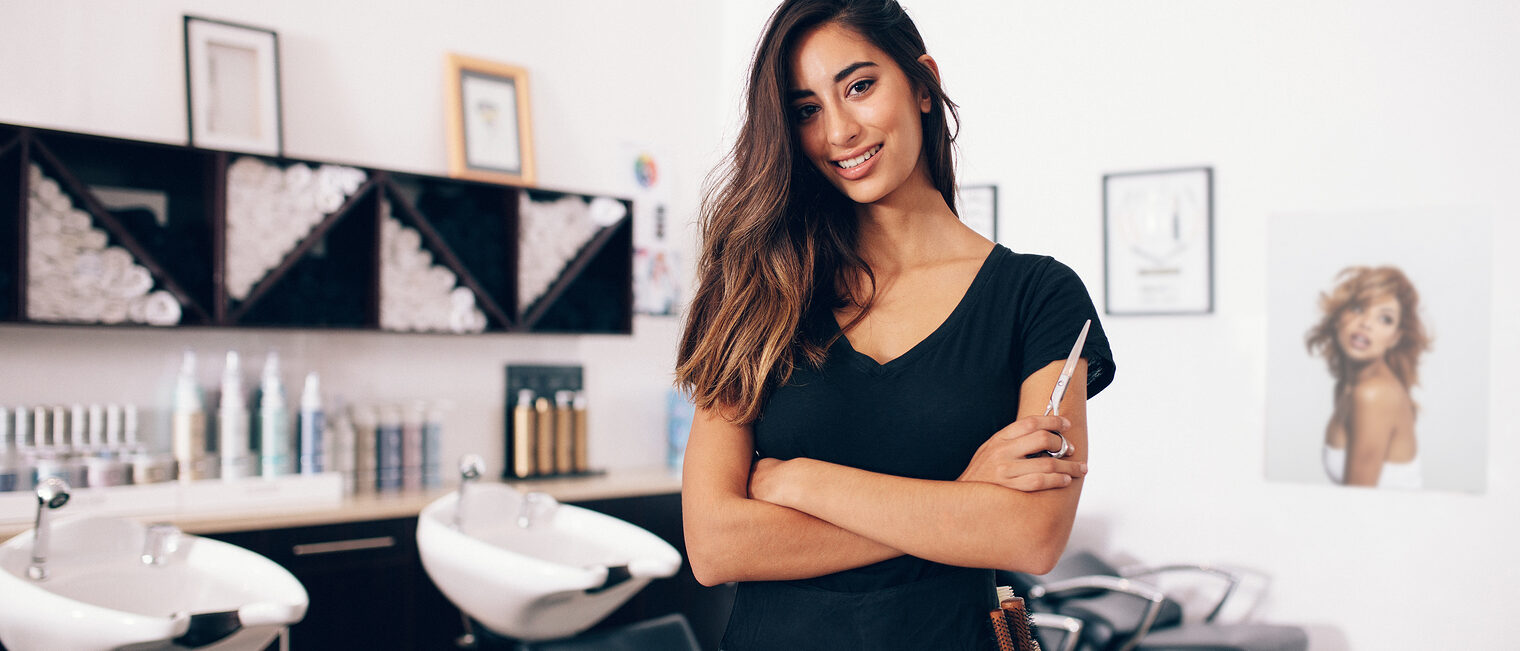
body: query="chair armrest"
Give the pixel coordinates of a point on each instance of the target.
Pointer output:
(1232, 579)
(1111, 584)
(1071, 625)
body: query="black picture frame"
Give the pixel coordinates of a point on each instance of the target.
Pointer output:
(1158, 242)
(232, 87)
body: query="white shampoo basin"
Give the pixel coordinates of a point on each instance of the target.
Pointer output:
(553, 579)
(100, 595)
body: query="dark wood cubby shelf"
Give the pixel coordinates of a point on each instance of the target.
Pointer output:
(331, 278)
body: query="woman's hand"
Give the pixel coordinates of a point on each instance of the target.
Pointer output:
(1004, 458)
(763, 482)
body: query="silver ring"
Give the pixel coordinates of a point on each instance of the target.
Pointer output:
(1066, 448)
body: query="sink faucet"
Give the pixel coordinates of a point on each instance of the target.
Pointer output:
(52, 493)
(535, 507)
(471, 467)
(159, 541)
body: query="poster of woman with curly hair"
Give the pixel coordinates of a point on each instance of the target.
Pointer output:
(1377, 355)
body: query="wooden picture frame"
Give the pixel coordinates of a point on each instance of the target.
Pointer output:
(232, 87)
(1158, 242)
(490, 134)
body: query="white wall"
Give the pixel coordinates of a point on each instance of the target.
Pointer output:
(1300, 107)
(362, 83)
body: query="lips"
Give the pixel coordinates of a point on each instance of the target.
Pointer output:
(855, 167)
(1359, 342)
(852, 162)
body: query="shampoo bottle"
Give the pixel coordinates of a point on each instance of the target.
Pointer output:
(543, 415)
(189, 429)
(582, 450)
(232, 422)
(147, 467)
(388, 450)
(8, 454)
(432, 448)
(339, 443)
(26, 453)
(564, 432)
(411, 447)
(274, 422)
(309, 441)
(524, 436)
(365, 462)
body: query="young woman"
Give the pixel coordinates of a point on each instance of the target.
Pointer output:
(870, 375)
(1371, 337)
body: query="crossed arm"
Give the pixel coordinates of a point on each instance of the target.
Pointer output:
(801, 518)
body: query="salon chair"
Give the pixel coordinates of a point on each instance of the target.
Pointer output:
(1121, 611)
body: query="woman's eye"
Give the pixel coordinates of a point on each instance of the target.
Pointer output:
(861, 86)
(805, 111)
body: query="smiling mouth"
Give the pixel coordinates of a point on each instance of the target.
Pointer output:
(1359, 342)
(852, 162)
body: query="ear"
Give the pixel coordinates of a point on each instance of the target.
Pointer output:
(925, 101)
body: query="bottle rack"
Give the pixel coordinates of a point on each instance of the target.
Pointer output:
(466, 236)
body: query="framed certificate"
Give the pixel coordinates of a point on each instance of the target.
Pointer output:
(232, 86)
(490, 138)
(1158, 242)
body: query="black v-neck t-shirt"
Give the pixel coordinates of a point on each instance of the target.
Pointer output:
(921, 415)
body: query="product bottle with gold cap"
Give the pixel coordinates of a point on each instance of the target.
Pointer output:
(544, 415)
(564, 432)
(582, 453)
(524, 436)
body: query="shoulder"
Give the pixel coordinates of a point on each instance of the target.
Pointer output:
(1381, 393)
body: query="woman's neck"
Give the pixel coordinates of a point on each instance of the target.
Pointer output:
(1368, 370)
(913, 225)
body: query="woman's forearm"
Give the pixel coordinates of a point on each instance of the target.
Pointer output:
(969, 524)
(742, 539)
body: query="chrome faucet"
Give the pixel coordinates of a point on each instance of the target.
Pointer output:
(471, 467)
(159, 541)
(535, 507)
(52, 493)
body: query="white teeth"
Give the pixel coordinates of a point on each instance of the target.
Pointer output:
(847, 164)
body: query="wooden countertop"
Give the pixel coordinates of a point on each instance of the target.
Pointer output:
(384, 506)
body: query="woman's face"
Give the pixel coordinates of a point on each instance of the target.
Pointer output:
(1368, 330)
(857, 115)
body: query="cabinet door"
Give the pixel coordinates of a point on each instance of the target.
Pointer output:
(365, 585)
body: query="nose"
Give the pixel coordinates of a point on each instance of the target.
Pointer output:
(842, 127)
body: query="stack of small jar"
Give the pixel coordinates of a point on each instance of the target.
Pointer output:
(90, 446)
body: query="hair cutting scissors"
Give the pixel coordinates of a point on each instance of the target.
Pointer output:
(1053, 409)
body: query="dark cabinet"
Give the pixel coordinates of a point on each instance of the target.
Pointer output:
(111, 231)
(368, 590)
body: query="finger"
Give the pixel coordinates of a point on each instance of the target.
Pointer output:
(1031, 424)
(1038, 444)
(1040, 482)
(1042, 466)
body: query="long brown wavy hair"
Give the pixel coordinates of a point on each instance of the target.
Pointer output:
(1360, 286)
(779, 241)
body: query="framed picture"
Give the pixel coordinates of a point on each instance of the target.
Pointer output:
(978, 209)
(489, 128)
(1158, 242)
(232, 86)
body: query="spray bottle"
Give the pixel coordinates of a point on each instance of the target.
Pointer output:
(189, 430)
(309, 444)
(274, 422)
(232, 422)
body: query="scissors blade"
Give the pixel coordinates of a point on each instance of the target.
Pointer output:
(1066, 371)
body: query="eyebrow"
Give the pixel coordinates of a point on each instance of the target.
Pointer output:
(838, 77)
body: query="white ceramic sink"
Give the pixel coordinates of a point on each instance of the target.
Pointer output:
(99, 594)
(555, 578)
